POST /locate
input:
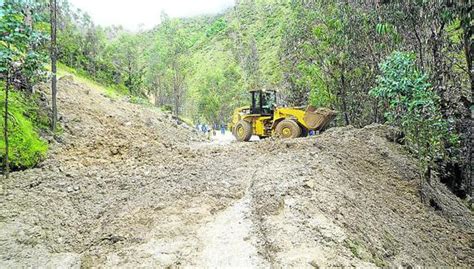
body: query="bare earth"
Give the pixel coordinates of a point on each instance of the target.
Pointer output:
(128, 186)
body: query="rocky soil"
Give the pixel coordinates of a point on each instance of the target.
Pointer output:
(130, 186)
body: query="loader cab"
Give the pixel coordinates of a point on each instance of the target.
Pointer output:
(263, 102)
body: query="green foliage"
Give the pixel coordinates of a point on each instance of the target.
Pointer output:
(324, 53)
(215, 85)
(413, 106)
(321, 97)
(124, 53)
(26, 147)
(167, 63)
(23, 40)
(138, 100)
(14, 43)
(327, 60)
(218, 26)
(181, 61)
(23, 56)
(167, 108)
(320, 94)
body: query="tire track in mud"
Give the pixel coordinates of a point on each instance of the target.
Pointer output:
(235, 237)
(228, 240)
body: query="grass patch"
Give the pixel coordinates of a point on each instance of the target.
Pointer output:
(139, 100)
(83, 78)
(354, 247)
(26, 148)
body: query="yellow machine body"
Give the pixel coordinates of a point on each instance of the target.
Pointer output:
(286, 122)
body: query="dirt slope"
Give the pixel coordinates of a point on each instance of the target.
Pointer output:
(130, 187)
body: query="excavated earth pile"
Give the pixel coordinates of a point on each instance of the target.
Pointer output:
(129, 186)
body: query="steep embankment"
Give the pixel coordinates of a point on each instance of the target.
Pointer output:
(129, 186)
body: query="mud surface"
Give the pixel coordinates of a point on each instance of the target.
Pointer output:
(130, 186)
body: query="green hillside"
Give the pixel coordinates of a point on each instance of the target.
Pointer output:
(208, 62)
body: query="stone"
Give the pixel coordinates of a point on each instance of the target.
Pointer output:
(314, 264)
(309, 184)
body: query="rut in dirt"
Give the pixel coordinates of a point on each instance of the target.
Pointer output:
(131, 186)
(228, 240)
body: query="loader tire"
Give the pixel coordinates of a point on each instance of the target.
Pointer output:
(288, 129)
(304, 132)
(243, 131)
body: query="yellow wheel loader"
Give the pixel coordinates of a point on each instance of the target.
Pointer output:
(264, 118)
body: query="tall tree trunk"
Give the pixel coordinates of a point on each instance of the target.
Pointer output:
(343, 97)
(129, 77)
(466, 24)
(5, 128)
(29, 24)
(176, 104)
(54, 117)
(156, 91)
(438, 67)
(157, 100)
(176, 88)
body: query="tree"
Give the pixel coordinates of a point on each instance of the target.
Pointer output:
(464, 11)
(174, 39)
(54, 116)
(157, 75)
(126, 56)
(414, 107)
(329, 57)
(13, 40)
(441, 34)
(5, 126)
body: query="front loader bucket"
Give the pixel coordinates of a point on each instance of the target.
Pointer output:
(318, 119)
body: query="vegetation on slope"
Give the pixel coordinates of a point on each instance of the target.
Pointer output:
(23, 55)
(335, 54)
(25, 121)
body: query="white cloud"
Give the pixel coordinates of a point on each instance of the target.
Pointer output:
(130, 14)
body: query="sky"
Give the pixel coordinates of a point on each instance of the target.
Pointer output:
(132, 13)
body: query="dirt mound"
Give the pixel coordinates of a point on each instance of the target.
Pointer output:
(351, 197)
(98, 128)
(130, 187)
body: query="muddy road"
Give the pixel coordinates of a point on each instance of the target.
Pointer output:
(129, 186)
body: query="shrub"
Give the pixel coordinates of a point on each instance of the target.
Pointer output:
(412, 105)
(138, 100)
(167, 108)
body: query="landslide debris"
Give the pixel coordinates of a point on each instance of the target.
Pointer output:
(129, 186)
(351, 197)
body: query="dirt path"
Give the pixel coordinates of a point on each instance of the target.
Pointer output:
(129, 186)
(228, 240)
